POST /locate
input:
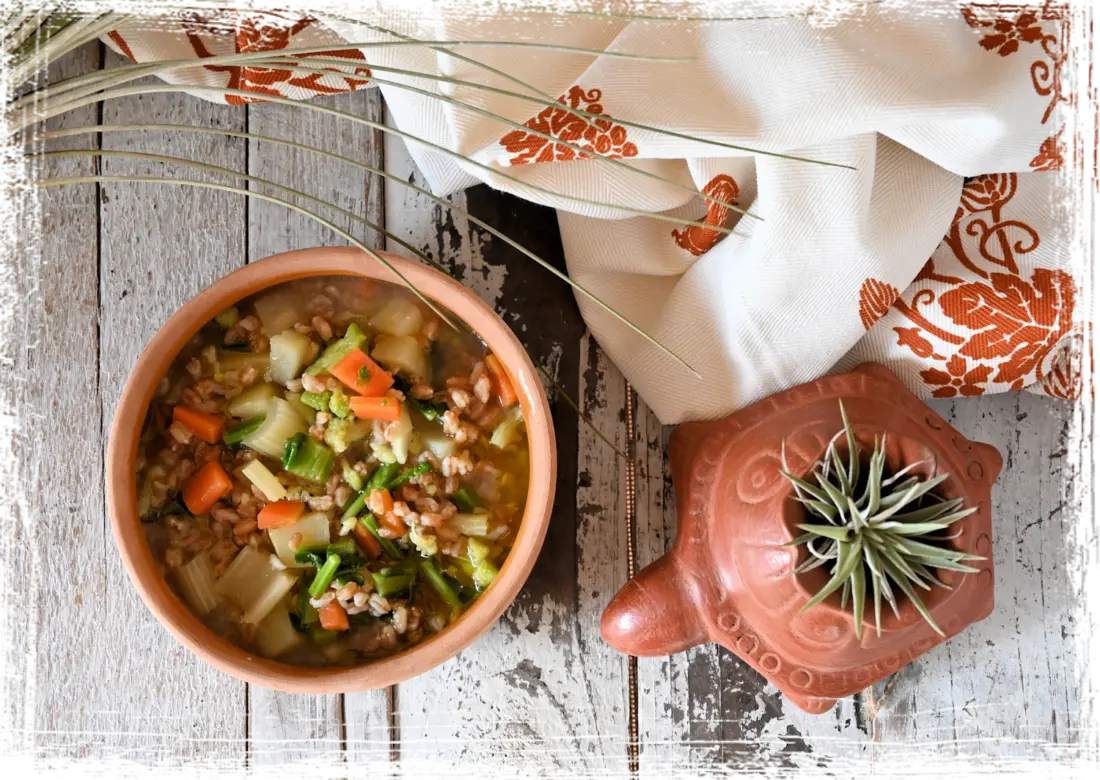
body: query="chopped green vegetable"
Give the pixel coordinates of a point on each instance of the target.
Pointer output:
(307, 613)
(354, 338)
(478, 550)
(466, 500)
(324, 576)
(484, 574)
(196, 581)
(253, 585)
(236, 434)
(351, 476)
(357, 505)
(432, 410)
(407, 474)
(439, 584)
(228, 318)
(339, 404)
(391, 586)
(280, 423)
(318, 401)
(308, 458)
(370, 522)
(322, 636)
(364, 374)
(314, 555)
(344, 547)
(381, 477)
(407, 566)
(341, 434)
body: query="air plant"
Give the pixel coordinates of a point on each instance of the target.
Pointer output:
(876, 531)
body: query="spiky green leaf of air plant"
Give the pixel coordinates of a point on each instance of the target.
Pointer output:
(875, 531)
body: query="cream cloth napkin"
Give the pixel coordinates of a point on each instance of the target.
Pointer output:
(961, 286)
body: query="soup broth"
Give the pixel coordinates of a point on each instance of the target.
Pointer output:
(329, 474)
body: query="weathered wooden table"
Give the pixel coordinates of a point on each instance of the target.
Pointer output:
(95, 678)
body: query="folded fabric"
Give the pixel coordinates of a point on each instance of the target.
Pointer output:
(929, 242)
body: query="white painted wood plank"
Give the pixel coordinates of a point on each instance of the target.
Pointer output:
(293, 728)
(160, 246)
(540, 689)
(1007, 686)
(49, 380)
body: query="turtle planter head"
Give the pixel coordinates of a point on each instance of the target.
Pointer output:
(741, 572)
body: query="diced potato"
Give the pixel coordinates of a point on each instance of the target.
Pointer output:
(289, 353)
(252, 584)
(401, 354)
(401, 435)
(276, 635)
(313, 528)
(281, 308)
(399, 317)
(439, 443)
(280, 423)
(253, 401)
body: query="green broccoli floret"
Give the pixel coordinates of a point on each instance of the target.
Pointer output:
(342, 433)
(339, 404)
(318, 401)
(354, 338)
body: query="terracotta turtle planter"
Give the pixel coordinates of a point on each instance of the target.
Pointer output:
(729, 578)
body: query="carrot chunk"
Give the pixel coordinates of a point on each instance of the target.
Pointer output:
(362, 374)
(366, 540)
(206, 487)
(333, 617)
(207, 427)
(280, 513)
(381, 501)
(505, 391)
(386, 408)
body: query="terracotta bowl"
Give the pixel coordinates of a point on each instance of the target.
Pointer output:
(130, 416)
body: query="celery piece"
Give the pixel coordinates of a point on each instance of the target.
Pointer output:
(476, 524)
(228, 317)
(439, 584)
(410, 473)
(313, 555)
(267, 483)
(391, 586)
(466, 500)
(344, 548)
(280, 424)
(253, 585)
(400, 434)
(354, 338)
(254, 401)
(307, 613)
(339, 404)
(196, 580)
(357, 505)
(351, 476)
(318, 401)
(275, 635)
(235, 434)
(324, 576)
(308, 458)
(478, 550)
(484, 574)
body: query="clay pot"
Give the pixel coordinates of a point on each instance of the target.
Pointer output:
(729, 578)
(122, 489)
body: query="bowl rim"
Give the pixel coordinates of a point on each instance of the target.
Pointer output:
(129, 417)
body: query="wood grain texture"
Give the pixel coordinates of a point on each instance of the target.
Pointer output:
(160, 245)
(292, 728)
(1004, 689)
(540, 689)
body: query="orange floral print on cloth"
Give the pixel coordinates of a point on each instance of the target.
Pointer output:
(697, 239)
(259, 31)
(1004, 29)
(875, 299)
(997, 326)
(599, 135)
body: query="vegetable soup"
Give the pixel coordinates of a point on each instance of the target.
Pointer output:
(329, 474)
